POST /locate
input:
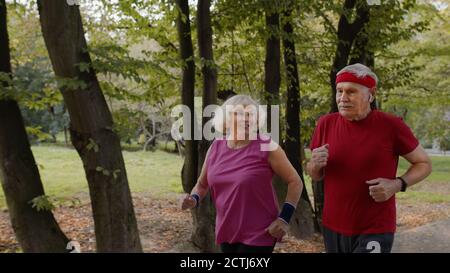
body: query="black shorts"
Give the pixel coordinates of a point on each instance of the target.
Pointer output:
(364, 243)
(241, 248)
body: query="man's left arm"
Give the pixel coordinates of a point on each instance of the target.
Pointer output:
(381, 189)
(420, 166)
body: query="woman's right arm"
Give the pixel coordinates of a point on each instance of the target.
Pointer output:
(200, 189)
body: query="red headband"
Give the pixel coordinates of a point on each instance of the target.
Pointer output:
(367, 81)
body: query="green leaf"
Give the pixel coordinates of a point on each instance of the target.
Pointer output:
(37, 132)
(89, 146)
(92, 145)
(84, 67)
(116, 173)
(43, 202)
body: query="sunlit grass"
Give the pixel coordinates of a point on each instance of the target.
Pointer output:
(63, 175)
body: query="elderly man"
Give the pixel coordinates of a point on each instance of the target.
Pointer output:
(356, 152)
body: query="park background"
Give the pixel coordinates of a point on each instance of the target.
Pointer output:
(95, 84)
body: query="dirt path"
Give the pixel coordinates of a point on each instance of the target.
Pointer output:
(429, 238)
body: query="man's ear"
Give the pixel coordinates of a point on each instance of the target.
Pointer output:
(372, 92)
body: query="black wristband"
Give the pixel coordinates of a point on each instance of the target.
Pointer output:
(404, 184)
(286, 212)
(197, 198)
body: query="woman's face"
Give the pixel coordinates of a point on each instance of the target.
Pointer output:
(243, 122)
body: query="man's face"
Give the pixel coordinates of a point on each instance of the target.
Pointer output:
(352, 100)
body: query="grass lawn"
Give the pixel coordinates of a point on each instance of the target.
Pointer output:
(63, 175)
(158, 173)
(436, 187)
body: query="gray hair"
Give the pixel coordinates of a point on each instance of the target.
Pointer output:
(220, 120)
(360, 71)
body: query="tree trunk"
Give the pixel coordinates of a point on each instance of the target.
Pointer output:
(363, 54)
(318, 192)
(302, 222)
(189, 174)
(346, 34)
(272, 82)
(272, 76)
(204, 215)
(91, 128)
(36, 231)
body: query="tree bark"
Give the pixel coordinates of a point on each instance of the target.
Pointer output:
(36, 231)
(302, 223)
(346, 35)
(272, 76)
(204, 215)
(91, 123)
(190, 166)
(272, 81)
(362, 53)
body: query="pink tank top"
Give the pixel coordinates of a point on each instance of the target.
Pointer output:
(240, 181)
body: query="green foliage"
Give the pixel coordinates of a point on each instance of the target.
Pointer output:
(134, 49)
(105, 172)
(50, 202)
(240, 36)
(70, 84)
(423, 102)
(37, 132)
(43, 202)
(33, 84)
(126, 123)
(6, 86)
(92, 145)
(432, 125)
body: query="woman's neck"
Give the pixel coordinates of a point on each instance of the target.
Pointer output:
(235, 143)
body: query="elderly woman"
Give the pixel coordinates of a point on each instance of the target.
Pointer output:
(238, 170)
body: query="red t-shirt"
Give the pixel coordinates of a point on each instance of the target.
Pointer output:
(360, 151)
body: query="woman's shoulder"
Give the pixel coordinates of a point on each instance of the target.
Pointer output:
(216, 142)
(213, 149)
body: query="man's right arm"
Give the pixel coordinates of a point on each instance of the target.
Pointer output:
(319, 159)
(316, 175)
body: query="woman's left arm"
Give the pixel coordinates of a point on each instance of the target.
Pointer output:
(283, 168)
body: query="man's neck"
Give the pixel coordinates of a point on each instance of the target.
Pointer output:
(363, 116)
